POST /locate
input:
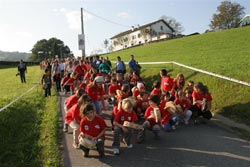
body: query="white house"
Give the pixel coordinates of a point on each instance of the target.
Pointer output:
(245, 21)
(158, 30)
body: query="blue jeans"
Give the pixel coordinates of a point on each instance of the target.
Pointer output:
(97, 107)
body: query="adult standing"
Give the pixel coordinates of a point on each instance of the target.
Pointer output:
(133, 65)
(22, 69)
(120, 66)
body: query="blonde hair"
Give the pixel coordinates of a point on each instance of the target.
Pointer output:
(126, 103)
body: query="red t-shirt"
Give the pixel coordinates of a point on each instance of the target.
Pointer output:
(115, 111)
(142, 104)
(79, 70)
(83, 85)
(94, 127)
(71, 82)
(113, 88)
(95, 92)
(185, 104)
(136, 92)
(156, 91)
(166, 116)
(166, 84)
(162, 104)
(122, 96)
(73, 114)
(64, 80)
(70, 101)
(87, 75)
(149, 111)
(125, 116)
(200, 96)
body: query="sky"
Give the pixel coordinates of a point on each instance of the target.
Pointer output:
(24, 22)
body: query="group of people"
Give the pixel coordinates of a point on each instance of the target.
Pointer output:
(93, 85)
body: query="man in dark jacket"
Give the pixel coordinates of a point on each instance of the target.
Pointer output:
(22, 69)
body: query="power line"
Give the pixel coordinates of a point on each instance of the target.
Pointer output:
(110, 21)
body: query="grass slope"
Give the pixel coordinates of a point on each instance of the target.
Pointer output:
(225, 52)
(29, 127)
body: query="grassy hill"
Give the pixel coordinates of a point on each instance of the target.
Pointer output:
(225, 52)
(14, 56)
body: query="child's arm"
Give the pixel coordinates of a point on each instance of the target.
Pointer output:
(121, 126)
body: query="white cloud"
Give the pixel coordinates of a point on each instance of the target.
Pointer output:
(63, 10)
(24, 34)
(74, 19)
(123, 15)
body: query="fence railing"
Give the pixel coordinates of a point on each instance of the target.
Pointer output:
(201, 71)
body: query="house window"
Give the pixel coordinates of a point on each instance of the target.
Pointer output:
(133, 37)
(125, 39)
(161, 27)
(139, 35)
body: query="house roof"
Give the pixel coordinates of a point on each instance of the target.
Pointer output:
(143, 26)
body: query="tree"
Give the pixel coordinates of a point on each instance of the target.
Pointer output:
(44, 49)
(178, 28)
(228, 16)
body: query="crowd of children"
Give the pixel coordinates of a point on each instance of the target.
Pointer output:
(93, 85)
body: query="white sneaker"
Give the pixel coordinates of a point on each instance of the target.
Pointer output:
(130, 146)
(116, 151)
(186, 122)
(173, 127)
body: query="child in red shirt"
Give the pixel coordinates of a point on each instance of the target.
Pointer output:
(185, 104)
(137, 89)
(156, 88)
(93, 129)
(65, 87)
(201, 101)
(69, 102)
(142, 103)
(73, 118)
(96, 92)
(125, 113)
(152, 117)
(113, 87)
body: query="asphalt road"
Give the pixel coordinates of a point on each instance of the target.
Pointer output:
(204, 145)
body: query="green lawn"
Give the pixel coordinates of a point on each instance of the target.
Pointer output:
(29, 128)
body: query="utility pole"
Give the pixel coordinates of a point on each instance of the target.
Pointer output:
(83, 49)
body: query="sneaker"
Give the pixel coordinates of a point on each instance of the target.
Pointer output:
(130, 146)
(76, 145)
(86, 154)
(65, 127)
(173, 127)
(116, 151)
(101, 154)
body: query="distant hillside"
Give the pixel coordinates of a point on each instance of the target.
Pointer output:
(14, 56)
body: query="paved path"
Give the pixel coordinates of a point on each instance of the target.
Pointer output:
(205, 145)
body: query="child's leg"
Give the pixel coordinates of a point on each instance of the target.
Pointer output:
(100, 146)
(116, 140)
(85, 150)
(187, 116)
(128, 137)
(156, 129)
(76, 132)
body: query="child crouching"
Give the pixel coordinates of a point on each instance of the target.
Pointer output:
(92, 129)
(125, 113)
